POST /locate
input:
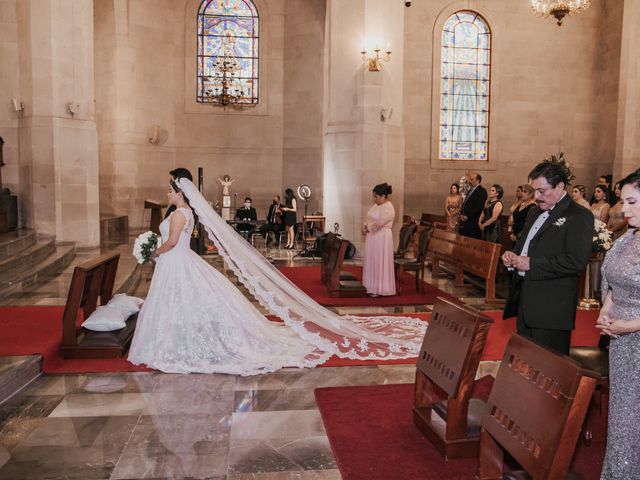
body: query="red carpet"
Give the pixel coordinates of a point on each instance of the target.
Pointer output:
(308, 280)
(372, 436)
(30, 330)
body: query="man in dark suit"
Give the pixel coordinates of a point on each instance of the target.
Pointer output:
(552, 251)
(246, 212)
(472, 207)
(274, 221)
(176, 174)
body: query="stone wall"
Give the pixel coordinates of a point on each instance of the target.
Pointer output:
(546, 95)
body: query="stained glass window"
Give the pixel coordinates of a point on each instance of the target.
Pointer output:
(465, 69)
(228, 37)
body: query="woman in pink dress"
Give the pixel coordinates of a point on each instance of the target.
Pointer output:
(378, 275)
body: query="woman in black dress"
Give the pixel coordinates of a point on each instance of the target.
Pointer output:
(489, 221)
(520, 213)
(289, 218)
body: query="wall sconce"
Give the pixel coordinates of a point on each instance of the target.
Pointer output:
(374, 62)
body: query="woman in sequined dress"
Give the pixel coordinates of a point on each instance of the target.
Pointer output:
(452, 206)
(620, 318)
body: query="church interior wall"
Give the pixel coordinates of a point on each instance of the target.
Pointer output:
(145, 82)
(553, 89)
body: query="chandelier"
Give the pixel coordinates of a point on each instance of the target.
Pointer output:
(558, 8)
(222, 85)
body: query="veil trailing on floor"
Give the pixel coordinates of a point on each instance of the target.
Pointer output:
(376, 337)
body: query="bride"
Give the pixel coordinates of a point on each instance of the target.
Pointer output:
(195, 320)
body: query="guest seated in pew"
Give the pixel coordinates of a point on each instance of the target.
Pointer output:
(378, 274)
(620, 318)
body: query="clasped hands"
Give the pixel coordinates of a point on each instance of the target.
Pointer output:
(512, 260)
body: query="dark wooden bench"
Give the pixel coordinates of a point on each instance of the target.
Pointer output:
(93, 280)
(339, 283)
(329, 244)
(536, 408)
(466, 254)
(448, 361)
(433, 220)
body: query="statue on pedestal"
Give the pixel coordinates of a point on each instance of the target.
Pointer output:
(226, 182)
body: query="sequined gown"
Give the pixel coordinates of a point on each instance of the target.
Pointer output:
(621, 274)
(195, 320)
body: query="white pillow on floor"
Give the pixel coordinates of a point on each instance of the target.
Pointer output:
(106, 319)
(126, 303)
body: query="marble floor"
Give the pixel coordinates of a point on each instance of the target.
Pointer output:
(169, 426)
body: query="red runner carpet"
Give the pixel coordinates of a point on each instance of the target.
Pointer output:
(373, 437)
(308, 280)
(31, 330)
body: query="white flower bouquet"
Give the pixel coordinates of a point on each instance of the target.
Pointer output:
(146, 243)
(602, 237)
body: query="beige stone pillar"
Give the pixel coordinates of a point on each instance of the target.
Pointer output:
(58, 144)
(627, 156)
(364, 134)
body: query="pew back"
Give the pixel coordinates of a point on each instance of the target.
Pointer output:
(466, 255)
(536, 408)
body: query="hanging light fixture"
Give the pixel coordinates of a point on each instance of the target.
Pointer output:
(558, 8)
(222, 85)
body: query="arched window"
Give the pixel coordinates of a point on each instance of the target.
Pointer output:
(465, 66)
(228, 52)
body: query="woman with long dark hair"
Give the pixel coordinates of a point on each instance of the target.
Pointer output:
(620, 318)
(289, 218)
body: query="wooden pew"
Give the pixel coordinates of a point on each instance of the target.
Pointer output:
(336, 281)
(466, 255)
(448, 360)
(536, 408)
(433, 220)
(92, 281)
(156, 215)
(329, 243)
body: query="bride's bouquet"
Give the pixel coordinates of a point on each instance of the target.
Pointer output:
(602, 237)
(146, 243)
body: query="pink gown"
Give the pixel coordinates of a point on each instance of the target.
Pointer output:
(378, 275)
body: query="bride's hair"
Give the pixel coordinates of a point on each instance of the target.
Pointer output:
(176, 188)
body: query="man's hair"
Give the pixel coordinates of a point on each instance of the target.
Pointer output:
(553, 172)
(479, 177)
(248, 198)
(181, 173)
(631, 179)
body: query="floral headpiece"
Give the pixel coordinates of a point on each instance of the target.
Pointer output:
(562, 162)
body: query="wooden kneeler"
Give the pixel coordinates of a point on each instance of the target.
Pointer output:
(448, 361)
(93, 280)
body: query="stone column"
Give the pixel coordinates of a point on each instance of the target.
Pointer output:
(627, 156)
(58, 143)
(364, 134)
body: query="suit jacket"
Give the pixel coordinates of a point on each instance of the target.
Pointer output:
(242, 213)
(472, 208)
(559, 253)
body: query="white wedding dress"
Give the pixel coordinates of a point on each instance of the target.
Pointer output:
(195, 320)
